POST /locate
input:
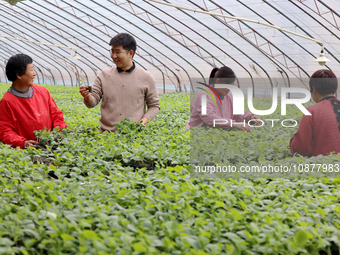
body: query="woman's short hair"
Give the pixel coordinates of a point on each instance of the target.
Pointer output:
(16, 65)
(324, 81)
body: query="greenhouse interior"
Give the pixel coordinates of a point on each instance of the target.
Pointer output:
(179, 178)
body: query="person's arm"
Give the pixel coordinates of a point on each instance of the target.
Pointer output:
(302, 141)
(7, 127)
(91, 99)
(212, 118)
(253, 119)
(152, 102)
(247, 116)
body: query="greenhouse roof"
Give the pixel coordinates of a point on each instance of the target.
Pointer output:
(175, 43)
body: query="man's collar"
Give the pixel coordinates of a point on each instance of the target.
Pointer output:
(120, 70)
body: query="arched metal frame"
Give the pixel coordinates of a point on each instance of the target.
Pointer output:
(200, 47)
(68, 33)
(169, 42)
(6, 55)
(330, 11)
(97, 38)
(322, 25)
(137, 53)
(50, 49)
(45, 58)
(4, 75)
(224, 52)
(250, 35)
(164, 45)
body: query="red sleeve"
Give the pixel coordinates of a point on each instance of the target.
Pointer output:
(56, 115)
(8, 134)
(303, 141)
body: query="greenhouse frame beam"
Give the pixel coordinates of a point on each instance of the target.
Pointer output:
(184, 43)
(72, 36)
(175, 40)
(149, 61)
(72, 6)
(320, 23)
(164, 65)
(230, 27)
(237, 18)
(145, 11)
(38, 42)
(163, 22)
(290, 20)
(38, 68)
(193, 30)
(205, 38)
(260, 45)
(3, 69)
(8, 54)
(285, 34)
(322, 15)
(38, 28)
(337, 14)
(45, 21)
(217, 47)
(38, 62)
(154, 26)
(329, 52)
(99, 39)
(51, 50)
(42, 66)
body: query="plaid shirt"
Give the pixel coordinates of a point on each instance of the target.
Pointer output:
(319, 133)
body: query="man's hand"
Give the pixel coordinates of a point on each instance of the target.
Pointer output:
(30, 143)
(84, 91)
(144, 121)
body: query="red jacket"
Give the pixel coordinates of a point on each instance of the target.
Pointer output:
(318, 133)
(19, 117)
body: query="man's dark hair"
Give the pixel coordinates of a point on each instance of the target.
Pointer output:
(224, 73)
(16, 65)
(324, 81)
(126, 40)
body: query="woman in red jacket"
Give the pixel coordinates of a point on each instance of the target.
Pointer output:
(319, 133)
(26, 107)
